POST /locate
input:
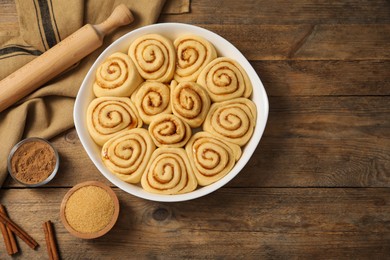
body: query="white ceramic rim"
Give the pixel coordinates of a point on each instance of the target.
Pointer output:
(171, 31)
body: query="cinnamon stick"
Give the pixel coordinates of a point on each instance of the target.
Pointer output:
(51, 243)
(18, 231)
(13, 241)
(9, 239)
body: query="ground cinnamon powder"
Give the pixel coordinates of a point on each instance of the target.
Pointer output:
(89, 209)
(33, 162)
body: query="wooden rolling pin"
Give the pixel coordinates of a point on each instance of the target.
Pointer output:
(59, 58)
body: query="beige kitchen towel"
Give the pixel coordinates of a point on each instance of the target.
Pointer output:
(43, 23)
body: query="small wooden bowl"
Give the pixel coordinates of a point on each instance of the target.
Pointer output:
(101, 232)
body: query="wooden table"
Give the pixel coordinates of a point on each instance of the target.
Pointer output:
(318, 183)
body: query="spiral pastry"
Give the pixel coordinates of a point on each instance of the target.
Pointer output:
(193, 53)
(190, 102)
(169, 172)
(154, 57)
(107, 116)
(225, 79)
(151, 99)
(127, 154)
(210, 158)
(232, 120)
(173, 85)
(116, 77)
(168, 130)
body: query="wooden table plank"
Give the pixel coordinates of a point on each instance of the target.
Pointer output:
(263, 12)
(9, 25)
(308, 42)
(323, 78)
(300, 162)
(285, 12)
(270, 222)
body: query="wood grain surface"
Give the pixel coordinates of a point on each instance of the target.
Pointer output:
(318, 184)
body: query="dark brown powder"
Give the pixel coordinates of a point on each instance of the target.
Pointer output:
(33, 162)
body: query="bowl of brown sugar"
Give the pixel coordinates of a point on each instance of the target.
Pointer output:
(89, 210)
(33, 162)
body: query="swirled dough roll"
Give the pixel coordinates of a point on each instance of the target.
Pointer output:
(107, 116)
(211, 158)
(232, 120)
(225, 79)
(190, 102)
(169, 172)
(168, 130)
(173, 85)
(193, 53)
(127, 154)
(154, 56)
(151, 99)
(116, 77)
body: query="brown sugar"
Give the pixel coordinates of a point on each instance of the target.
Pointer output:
(33, 162)
(89, 209)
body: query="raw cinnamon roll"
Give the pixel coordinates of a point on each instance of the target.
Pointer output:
(190, 102)
(232, 120)
(116, 76)
(107, 116)
(211, 158)
(193, 53)
(151, 99)
(127, 154)
(168, 130)
(225, 79)
(154, 57)
(173, 85)
(169, 172)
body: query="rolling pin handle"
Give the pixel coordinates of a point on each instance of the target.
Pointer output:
(119, 17)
